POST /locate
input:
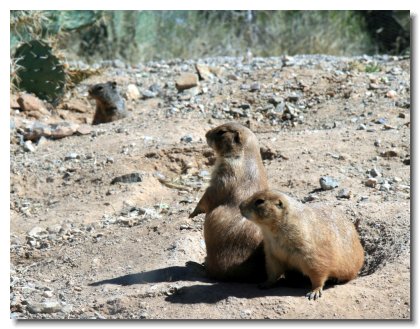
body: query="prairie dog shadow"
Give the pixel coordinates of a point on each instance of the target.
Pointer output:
(210, 291)
(191, 272)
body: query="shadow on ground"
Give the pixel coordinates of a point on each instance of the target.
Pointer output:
(191, 272)
(210, 291)
(219, 291)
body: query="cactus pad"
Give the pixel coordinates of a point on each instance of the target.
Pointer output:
(41, 72)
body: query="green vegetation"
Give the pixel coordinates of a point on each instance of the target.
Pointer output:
(40, 71)
(372, 67)
(136, 36)
(37, 63)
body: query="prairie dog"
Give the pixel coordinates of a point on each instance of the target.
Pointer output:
(234, 245)
(313, 239)
(110, 106)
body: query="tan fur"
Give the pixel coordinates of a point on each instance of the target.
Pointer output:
(234, 245)
(313, 239)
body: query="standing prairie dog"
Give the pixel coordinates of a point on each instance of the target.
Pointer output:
(233, 244)
(313, 239)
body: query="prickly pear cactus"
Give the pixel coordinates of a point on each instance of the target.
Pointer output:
(40, 71)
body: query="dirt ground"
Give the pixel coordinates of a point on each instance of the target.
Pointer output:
(85, 248)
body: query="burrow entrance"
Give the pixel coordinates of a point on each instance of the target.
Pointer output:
(382, 244)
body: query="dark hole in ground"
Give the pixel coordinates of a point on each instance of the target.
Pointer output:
(382, 244)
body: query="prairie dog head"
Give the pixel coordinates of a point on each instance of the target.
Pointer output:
(265, 208)
(102, 90)
(232, 140)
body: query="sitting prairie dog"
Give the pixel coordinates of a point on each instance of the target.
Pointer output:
(234, 245)
(110, 106)
(313, 239)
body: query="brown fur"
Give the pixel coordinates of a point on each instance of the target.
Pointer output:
(110, 106)
(313, 239)
(234, 245)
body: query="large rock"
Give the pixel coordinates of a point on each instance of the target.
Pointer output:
(63, 129)
(37, 129)
(33, 105)
(77, 105)
(84, 130)
(186, 81)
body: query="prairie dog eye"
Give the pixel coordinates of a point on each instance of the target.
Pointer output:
(280, 205)
(258, 202)
(221, 132)
(99, 88)
(237, 138)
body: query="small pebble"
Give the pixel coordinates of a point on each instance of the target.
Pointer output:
(186, 81)
(148, 94)
(255, 87)
(47, 294)
(56, 228)
(203, 173)
(71, 156)
(133, 92)
(344, 194)
(310, 198)
(143, 315)
(389, 154)
(374, 172)
(41, 141)
(28, 147)
(187, 139)
(36, 231)
(385, 187)
(128, 178)
(328, 183)
(371, 182)
(397, 179)
(380, 121)
(391, 94)
(45, 307)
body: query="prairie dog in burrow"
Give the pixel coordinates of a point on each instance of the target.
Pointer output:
(313, 239)
(110, 106)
